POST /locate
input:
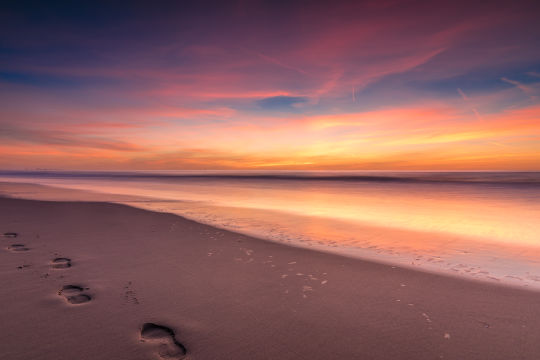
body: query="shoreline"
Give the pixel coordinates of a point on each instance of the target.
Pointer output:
(227, 295)
(458, 268)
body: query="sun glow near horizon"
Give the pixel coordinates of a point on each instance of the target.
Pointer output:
(353, 86)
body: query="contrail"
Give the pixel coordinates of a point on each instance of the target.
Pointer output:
(467, 100)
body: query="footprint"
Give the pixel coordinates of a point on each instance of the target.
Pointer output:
(17, 247)
(169, 347)
(129, 295)
(74, 294)
(61, 263)
(10, 234)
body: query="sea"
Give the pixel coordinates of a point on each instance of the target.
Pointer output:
(480, 225)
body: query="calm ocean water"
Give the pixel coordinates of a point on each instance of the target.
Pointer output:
(482, 225)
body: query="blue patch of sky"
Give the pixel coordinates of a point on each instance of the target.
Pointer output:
(54, 81)
(281, 103)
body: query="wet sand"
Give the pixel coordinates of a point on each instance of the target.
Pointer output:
(96, 280)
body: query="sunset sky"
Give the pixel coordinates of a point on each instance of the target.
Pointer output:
(270, 85)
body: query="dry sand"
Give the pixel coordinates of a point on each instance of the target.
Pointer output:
(133, 284)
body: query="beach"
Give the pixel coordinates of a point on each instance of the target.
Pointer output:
(270, 180)
(224, 295)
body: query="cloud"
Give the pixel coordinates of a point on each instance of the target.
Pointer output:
(270, 85)
(463, 95)
(467, 100)
(14, 135)
(279, 63)
(527, 90)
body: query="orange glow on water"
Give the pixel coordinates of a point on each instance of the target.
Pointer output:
(468, 228)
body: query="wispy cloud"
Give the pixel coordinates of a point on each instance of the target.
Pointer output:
(467, 100)
(272, 84)
(13, 135)
(527, 90)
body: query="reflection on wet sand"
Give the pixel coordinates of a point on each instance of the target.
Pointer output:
(470, 229)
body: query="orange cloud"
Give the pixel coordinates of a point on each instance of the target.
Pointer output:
(421, 138)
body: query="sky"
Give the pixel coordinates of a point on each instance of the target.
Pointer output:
(270, 85)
